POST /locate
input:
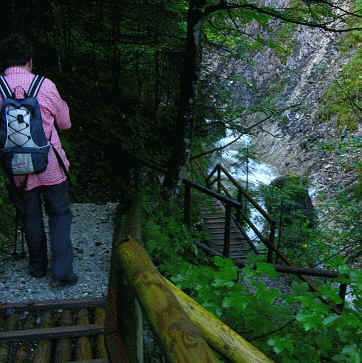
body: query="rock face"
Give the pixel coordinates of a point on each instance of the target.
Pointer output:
(294, 83)
(290, 202)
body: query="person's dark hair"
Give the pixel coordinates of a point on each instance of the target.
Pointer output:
(15, 50)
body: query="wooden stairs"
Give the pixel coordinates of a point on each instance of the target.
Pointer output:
(213, 215)
(53, 331)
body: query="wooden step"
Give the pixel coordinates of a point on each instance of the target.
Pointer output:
(213, 213)
(221, 231)
(51, 333)
(214, 219)
(58, 330)
(91, 361)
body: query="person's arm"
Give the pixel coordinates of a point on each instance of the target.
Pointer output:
(57, 106)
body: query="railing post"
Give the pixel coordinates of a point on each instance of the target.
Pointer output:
(227, 230)
(271, 240)
(240, 200)
(218, 179)
(124, 321)
(187, 204)
(342, 295)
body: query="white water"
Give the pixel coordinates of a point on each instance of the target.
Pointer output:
(258, 173)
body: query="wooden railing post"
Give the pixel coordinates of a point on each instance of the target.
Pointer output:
(124, 322)
(240, 200)
(180, 339)
(227, 230)
(271, 240)
(218, 179)
(187, 205)
(342, 295)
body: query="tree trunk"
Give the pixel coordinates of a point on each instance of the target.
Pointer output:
(116, 61)
(189, 92)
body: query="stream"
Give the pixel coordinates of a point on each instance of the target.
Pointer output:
(249, 172)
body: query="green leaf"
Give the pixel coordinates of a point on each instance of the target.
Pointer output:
(267, 269)
(353, 352)
(330, 319)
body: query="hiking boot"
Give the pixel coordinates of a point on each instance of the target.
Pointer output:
(69, 281)
(37, 272)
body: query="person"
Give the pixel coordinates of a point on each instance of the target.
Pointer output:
(51, 185)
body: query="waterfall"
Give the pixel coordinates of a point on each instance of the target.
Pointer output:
(250, 172)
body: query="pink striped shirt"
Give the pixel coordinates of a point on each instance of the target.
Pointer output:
(53, 109)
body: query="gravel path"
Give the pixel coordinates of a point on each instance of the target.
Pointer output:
(92, 231)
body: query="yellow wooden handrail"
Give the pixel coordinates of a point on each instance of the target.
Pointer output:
(183, 326)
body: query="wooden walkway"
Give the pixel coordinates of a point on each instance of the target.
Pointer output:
(213, 214)
(53, 331)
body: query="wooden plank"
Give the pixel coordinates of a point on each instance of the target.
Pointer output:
(235, 240)
(52, 333)
(83, 345)
(23, 353)
(44, 349)
(216, 231)
(63, 348)
(233, 247)
(5, 348)
(215, 217)
(100, 315)
(91, 361)
(214, 220)
(54, 304)
(213, 226)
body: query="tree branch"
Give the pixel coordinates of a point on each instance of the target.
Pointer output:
(268, 132)
(216, 149)
(273, 331)
(271, 12)
(339, 8)
(270, 116)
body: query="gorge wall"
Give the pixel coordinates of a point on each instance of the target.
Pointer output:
(296, 83)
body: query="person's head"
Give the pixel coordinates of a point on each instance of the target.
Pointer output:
(15, 50)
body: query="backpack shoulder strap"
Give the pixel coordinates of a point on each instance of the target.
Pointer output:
(4, 88)
(35, 85)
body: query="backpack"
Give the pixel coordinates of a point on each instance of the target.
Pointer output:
(23, 145)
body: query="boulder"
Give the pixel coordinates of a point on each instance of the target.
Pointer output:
(288, 198)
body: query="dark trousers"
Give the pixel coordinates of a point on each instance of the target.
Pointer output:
(57, 207)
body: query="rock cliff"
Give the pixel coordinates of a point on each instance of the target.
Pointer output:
(294, 81)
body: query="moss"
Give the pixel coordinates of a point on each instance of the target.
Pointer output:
(342, 99)
(284, 38)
